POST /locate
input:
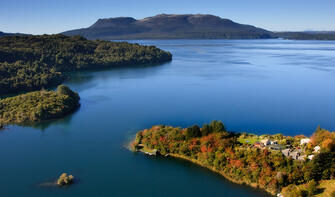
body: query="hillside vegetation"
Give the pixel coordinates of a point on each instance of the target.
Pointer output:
(31, 62)
(38, 106)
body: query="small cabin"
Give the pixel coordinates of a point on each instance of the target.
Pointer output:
(276, 147)
(286, 152)
(295, 154)
(266, 142)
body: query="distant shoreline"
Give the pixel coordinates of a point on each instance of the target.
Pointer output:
(163, 39)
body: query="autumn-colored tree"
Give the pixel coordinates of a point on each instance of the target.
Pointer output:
(328, 144)
(321, 135)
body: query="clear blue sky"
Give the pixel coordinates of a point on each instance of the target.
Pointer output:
(54, 16)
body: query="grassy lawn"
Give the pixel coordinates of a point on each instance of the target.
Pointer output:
(248, 140)
(326, 189)
(329, 188)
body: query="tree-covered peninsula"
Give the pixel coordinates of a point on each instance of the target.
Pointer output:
(32, 62)
(269, 162)
(38, 106)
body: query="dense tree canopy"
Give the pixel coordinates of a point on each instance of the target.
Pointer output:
(31, 62)
(38, 106)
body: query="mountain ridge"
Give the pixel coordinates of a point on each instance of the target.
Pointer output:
(11, 34)
(170, 26)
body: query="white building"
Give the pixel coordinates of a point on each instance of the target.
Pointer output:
(305, 141)
(317, 149)
(266, 142)
(310, 157)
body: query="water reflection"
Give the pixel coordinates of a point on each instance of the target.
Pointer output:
(64, 122)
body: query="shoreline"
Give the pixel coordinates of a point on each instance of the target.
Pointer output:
(253, 185)
(194, 161)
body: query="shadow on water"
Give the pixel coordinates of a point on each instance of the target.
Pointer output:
(43, 125)
(87, 79)
(77, 76)
(52, 186)
(212, 177)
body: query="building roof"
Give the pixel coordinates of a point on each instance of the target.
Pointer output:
(286, 152)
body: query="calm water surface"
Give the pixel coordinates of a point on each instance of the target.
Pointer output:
(259, 86)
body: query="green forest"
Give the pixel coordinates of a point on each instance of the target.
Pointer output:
(38, 106)
(249, 159)
(31, 62)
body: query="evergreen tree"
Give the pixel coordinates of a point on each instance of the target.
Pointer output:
(217, 126)
(193, 131)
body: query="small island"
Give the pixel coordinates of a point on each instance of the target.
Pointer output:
(278, 164)
(29, 62)
(38, 106)
(65, 179)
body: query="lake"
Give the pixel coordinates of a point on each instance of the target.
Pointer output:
(257, 86)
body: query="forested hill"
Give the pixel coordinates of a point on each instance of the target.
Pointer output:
(170, 26)
(31, 62)
(38, 106)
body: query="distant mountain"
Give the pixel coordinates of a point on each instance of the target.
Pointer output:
(170, 26)
(5, 34)
(11, 34)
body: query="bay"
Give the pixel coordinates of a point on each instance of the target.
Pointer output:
(257, 86)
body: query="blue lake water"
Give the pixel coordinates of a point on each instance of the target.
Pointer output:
(258, 86)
